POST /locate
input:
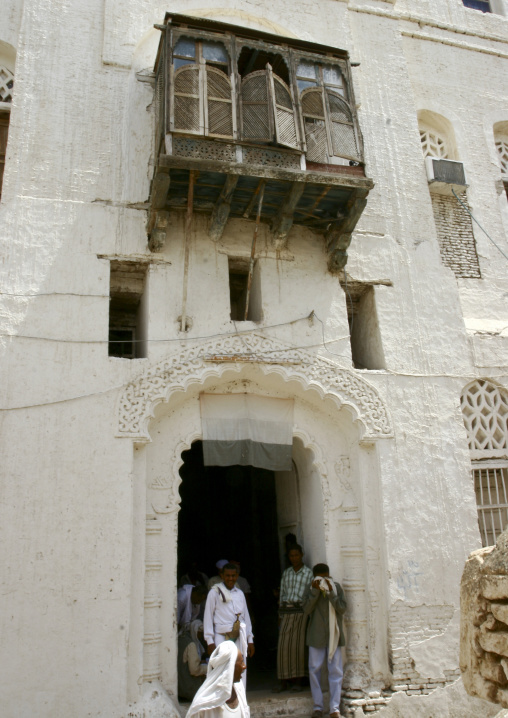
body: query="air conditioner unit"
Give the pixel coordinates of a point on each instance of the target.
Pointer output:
(444, 175)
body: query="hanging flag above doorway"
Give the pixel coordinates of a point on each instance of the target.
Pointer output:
(247, 429)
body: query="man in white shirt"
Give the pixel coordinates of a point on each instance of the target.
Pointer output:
(225, 611)
(189, 600)
(217, 579)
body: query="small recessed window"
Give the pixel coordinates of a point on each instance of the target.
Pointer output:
(483, 5)
(127, 310)
(366, 347)
(245, 301)
(4, 131)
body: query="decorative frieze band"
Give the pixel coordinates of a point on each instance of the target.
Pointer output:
(190, 365)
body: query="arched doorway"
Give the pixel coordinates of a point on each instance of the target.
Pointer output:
(231, 513)
(338, 421)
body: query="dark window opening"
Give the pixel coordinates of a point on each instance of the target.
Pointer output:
(4, 131)
(366, 347)
(127, 311)
(505, 184)
(483, 5)
(239, 290)
(251, 60)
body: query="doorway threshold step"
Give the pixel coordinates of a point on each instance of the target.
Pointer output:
(265, 704)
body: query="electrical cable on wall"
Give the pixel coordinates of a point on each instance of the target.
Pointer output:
(479, 225)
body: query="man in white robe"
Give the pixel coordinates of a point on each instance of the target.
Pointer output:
(225, 605)
(226, 613)
(222, 695)
(189, 600)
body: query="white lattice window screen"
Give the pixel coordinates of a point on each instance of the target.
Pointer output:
(485, 412)
(6, 84)
(434, 145)
(502, 148)
(491, 489)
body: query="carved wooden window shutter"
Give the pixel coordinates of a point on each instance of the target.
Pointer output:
(257, 122)
(268, 111)
(342, 131)
(286, 131)
(316, 136)
(219, 121)
(203, 95)
(188, 111)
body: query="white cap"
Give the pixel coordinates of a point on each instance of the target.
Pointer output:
(220, 564)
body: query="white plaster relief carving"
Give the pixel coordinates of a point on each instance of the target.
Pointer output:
(166, 504)
(160, 482)
(188, 366)
(341, 490)
(152, 635)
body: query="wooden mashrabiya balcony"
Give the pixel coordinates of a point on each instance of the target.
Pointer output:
(254, 126)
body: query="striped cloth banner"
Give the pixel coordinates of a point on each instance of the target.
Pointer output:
(247, 429)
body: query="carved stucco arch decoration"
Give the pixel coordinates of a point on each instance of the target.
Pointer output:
(166, 498)
(189, 366)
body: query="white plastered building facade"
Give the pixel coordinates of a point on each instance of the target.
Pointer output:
(92, 444)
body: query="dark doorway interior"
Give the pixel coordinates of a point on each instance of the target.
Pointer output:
(231, 513)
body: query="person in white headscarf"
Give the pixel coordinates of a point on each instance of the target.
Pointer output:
(222, 695)
(192, 667)
(189, 600)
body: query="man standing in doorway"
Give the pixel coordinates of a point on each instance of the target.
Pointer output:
(291, 664)
(325, 604)
(227, 616)
(189, 600)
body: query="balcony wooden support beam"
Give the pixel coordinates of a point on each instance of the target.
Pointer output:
(284, 220)
(157, 236)
(222, 208)
(278, 173)
(158, 218)
(250, 206)
(338, 235)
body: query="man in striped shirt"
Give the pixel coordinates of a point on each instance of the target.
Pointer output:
(291, 664)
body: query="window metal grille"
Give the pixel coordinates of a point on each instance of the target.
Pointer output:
(490, 485)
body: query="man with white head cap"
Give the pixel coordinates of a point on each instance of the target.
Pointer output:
(217, 579)
(227, 616)
(222, 695)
